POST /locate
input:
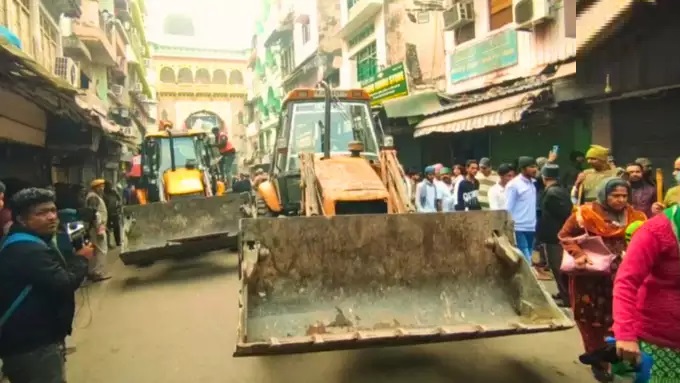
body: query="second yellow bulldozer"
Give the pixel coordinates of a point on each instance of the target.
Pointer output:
(183, 208)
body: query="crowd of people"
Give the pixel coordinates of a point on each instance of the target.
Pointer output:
(633, 292)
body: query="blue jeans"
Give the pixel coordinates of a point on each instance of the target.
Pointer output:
(525, 243)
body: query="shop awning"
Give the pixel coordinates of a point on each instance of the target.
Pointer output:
(599, 21)
(419, 104)
(494, 113)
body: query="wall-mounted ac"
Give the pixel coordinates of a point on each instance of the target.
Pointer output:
(117, 90)
(458, 14)
(67, 69)
(528, 13)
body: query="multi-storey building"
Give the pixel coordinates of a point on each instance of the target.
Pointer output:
(503, 58)
(40, 103)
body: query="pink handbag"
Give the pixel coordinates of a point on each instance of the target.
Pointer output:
(599, 257)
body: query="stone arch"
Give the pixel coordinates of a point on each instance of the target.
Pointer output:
(184, 76)
(236, 77)
(202, 76)
(219, 76)
(178, 25)
(167, 75)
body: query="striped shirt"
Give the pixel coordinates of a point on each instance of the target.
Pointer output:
(485, 183)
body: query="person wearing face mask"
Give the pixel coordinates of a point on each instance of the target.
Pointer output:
(37, 286)
(643, 193)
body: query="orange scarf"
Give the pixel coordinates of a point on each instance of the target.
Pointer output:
(594, 220)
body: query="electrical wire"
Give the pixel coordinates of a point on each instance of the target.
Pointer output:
(85, 302)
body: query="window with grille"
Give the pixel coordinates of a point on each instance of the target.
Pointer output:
(306, 33)
(50, 36)
(500, 12)
(367, 62)
(287, 60)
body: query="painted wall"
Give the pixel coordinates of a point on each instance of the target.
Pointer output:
(304, 50)
(348, 75)
(428, 39)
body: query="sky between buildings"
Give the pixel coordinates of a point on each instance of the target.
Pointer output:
(219, 24)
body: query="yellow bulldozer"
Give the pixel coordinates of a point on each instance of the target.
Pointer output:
(335, 258)
(182, 203)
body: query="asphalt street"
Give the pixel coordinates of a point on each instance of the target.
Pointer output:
(175, 322)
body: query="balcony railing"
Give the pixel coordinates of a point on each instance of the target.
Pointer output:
(50, 39)
(16, 15)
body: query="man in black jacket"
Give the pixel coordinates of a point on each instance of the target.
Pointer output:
(555, 209)
(32, 339)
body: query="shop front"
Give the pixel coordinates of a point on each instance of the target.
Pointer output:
(631, 82)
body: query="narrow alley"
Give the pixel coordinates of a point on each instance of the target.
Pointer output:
(176, 322)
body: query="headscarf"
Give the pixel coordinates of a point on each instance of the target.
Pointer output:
(631, 229)
(437, 168)
(598, 152)
(444, 171)
(595, 217)
(607, 186)
(430, 170)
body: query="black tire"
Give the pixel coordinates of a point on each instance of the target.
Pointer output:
(261, 208)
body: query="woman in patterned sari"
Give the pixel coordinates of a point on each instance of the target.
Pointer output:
(647, 297)
(591, 294)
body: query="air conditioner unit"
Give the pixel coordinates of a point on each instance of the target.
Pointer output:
(458, 15)
(528, 13)
(67, 69)
(117, 90)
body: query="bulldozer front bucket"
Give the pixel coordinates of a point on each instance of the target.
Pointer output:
(352, 281)
(179, 228)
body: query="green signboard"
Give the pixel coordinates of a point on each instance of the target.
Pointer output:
(497, 52)
(387, 84)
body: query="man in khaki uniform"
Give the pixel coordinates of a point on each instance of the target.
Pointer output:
(97, 231)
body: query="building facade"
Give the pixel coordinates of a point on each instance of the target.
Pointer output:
(628, 78)
(56, 124)
(501, 66)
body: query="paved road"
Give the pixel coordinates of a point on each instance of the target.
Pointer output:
(176, 322)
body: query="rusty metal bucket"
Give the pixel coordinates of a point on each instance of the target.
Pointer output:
(186, 227)
(317, 283)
